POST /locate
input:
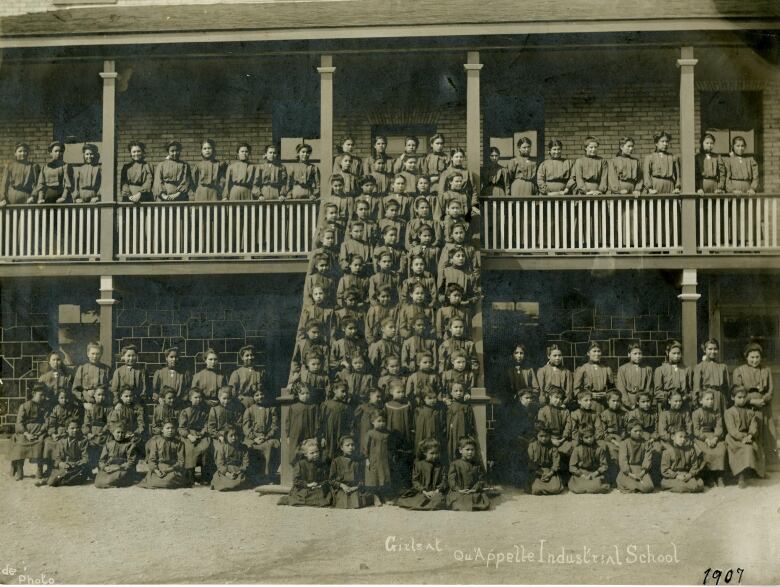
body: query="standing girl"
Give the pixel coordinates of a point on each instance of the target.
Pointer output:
(310, 478)
(87, 177)
(137, 176)
(435, 162)
(355, 166)
(672, 377)
(710, 375)
(172, 176)
(662, 170)
(19, 178)
(466, 479)
(625, 171)
(411, 143)
(756, 379)
(522, 171)
(458, 167)
(55, 181)
(710, 169)
(554, 173)
(207, 174)
(495, 178)
(554, 375)
(634, 377)
(595, 377)
(741, 172)
(378, 446)
(378, 153)
(589, 173)
(240, 176)
(304, 177)
(429, 482)
(272, 176)
(519, 377)
(30, 433)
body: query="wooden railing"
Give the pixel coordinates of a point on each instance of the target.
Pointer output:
(177, 230)
(582, 224)
(52, 233)
(738, 223)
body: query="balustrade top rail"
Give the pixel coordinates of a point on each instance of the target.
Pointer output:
(538, 225)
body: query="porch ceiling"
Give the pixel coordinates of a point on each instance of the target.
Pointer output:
(334, 19)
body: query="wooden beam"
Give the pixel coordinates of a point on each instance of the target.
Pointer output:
(326, 71)
(108, 161)
(686, 63)
(689, 297)
(753, 263)
(686, 25)
(107, 302)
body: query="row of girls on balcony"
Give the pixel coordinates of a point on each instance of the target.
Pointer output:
(591, 174)
(210, 179)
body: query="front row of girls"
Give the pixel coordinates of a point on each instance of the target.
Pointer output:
(671, 425)
(590, 174)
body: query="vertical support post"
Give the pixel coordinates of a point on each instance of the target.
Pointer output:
(473, 127)
(107, 302)
(689, 297)
(285, 400)
(713, 297)
(326, 71)
(686, 63)
(108, 162)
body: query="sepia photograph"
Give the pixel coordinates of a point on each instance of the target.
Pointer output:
(502, 278)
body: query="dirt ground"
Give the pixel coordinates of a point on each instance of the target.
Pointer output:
(87, 535)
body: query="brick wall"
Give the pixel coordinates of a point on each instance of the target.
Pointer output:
(222, 313)
(771, 146)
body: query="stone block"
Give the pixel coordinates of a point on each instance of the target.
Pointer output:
(35, 348)
(232, 345)
(603, 334)
(155, 330)
(646, 322)
(198, 328)
(602, 322)
(152, 345)
(131, 317)
(218, 344)
(10, 349)
(623, 322)
(159, 316)
(668, 322)
(228, 329)
(582, 318)
(17, 333)
(23, 367)
(171, 330)
(576, 335)
(140, 331)
(194, 346)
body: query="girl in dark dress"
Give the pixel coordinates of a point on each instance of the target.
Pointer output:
(310, 478)
(466, 479)
(136, 176)
(429, 482)
(347, 476)
(30, 433)
(378, 446)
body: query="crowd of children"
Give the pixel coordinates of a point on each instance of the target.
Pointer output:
(410, 174)
(674, 427)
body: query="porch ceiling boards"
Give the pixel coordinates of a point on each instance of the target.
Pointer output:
(340, 19)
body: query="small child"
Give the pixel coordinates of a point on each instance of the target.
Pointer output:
(30, 433)
(741, 172)
(19, 178)
(272, 176)
(96, 429)
(321, 276)
(661, 170)
(315, 376)
(347, 477)
(260, 424)
(610, 431)
(708, 437)
(363, 204)
(385, 277)
(460, 420)
(457, 341)
(391, 216)
(87, 177)
(427, 248)
(495, 180)
(355, 245)
(209, 380)
(756, 379)
(419, 275)
(343, 349)
(459, 374)
(172, 176)
(555, 375)
(350, 180)
(336, 420)
(418, 342)
(137, 176)
(316, 310)
(429, 483)
(470, 187)
(417, 307)
(208, 174)
(329, 221)
(171, 376)
(362, 416)
(544, 463)
(311, 485)
(65, 411)
(710, 375)
(351, 309)
(453, 207)
(165, 460)
(357, 378)
(458, 235)
(634, 461)
(589, 174)
(379, 445)
(634, 377)
(71, 460)
(222, 416)
(129, 375)
(554, 173)
(56, 379)
(391, 245)
(382, 173)
(130, 414)
(466, 479)
(410, 175)
(118, 460)
(313, 342)
(557, 421)
(429, 418)
(436, 161)
(194, 433)
(452, 308)
(354, 279)
(303, 419)
(411, 144)
(346, 149)
(681, 465)
(55, 180)
(400, 424)
(710, 169)
(588, 464)
(672, 376)
(241, 176)
(423, 379)
(387, 346)
(518, 377)
(584, 415)
(746, 455)
(522, 170)
(458, 272)
(516, 431)
(594, 376)
(674, 418)
(164, 411)
(391, 367)
(247, 378)
(304, 177)
(647, 416)
(378, 153)
(231, 460)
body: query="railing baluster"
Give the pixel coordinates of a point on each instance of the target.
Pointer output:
(750, 222)
(773, 223)
(6, 226)
(675, 226)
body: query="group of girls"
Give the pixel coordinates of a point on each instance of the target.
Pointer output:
(91, 423)
(624, 174)
(674, 426)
